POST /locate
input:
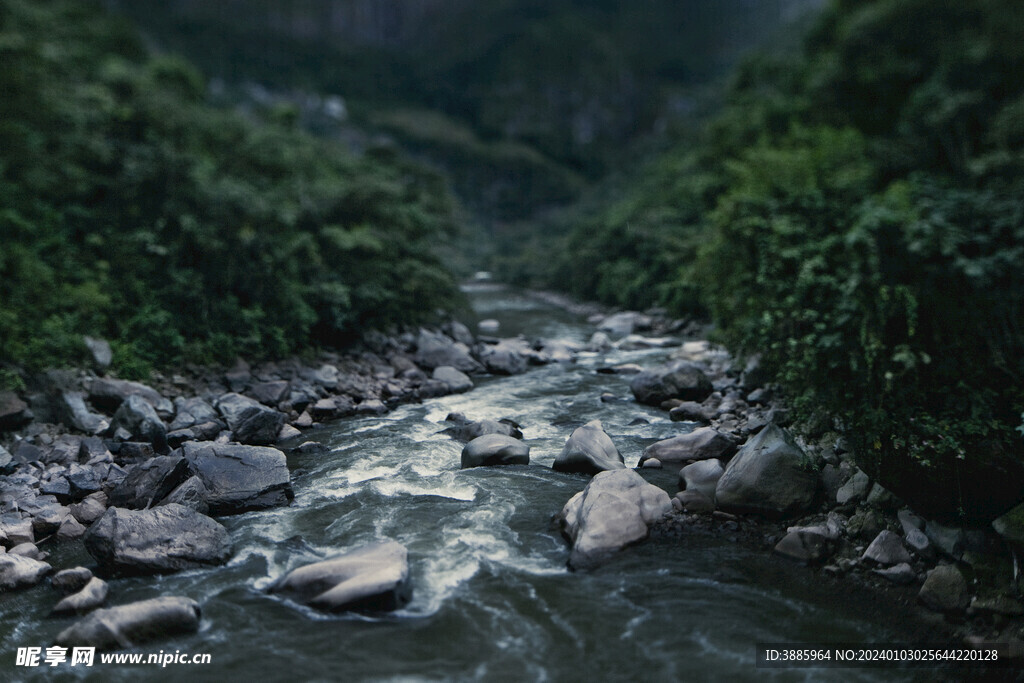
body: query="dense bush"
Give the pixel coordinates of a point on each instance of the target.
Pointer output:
(131, 210)
(871, 241)
(859, 211)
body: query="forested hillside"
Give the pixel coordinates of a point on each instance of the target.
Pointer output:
(131, 210)
(856, 215)
(521, 102)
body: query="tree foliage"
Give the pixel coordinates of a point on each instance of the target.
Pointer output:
(859, 215)
(131, 210)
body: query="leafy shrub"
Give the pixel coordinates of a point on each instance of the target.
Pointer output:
(132, 210)
(855, 213)
(872, 246)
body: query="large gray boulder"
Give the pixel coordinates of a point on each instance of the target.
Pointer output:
(239, 478)
(148, 482)
(374, 578)
(705, 443)
(589, 450)
(456, 380)
(125, 626)
(434, 350)
(466, 430)
(250, 421)
(18, 571)
(164, 539)
(950, 541)
(702, 476)
(109, 394)
(504, 358)
(16, 530)
(681, 379)
(90, 508)
(84, 480)
(855, 489)
(690, 411)
(71, 580)
(887, 549)
(89, 597)
(139, 419)
(193, 411)
(191, 493)
(270, 393)
(495, 449)
(555, 351)
(625, 323)
(770, 475)
(945, 590)
(614, 510)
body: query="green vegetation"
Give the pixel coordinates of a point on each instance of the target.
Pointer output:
(526, 97)
(854, 212)
(857, 216)
(131, 210)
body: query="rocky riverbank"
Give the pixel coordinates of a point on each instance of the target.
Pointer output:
(140, 472)
(140, 475)
(746, 473)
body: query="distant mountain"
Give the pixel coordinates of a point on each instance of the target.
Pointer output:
(521, 101)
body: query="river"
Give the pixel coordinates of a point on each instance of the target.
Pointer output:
(493, 600)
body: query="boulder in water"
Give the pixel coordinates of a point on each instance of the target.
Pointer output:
(705, 443)
(680, 380)
(495, 449)
(71, 580)
(456, 380)
(589, 450)
(692, 500)
(165, 539)
(89, 597)
(625, 323)
(805, 546)
(614, 510)
(129, 625)
(239, 478)
(434, 350)
(504, 358)
(374, 578)
(466, 430)
(18, 571)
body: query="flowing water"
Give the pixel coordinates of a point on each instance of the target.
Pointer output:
(493, 600)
